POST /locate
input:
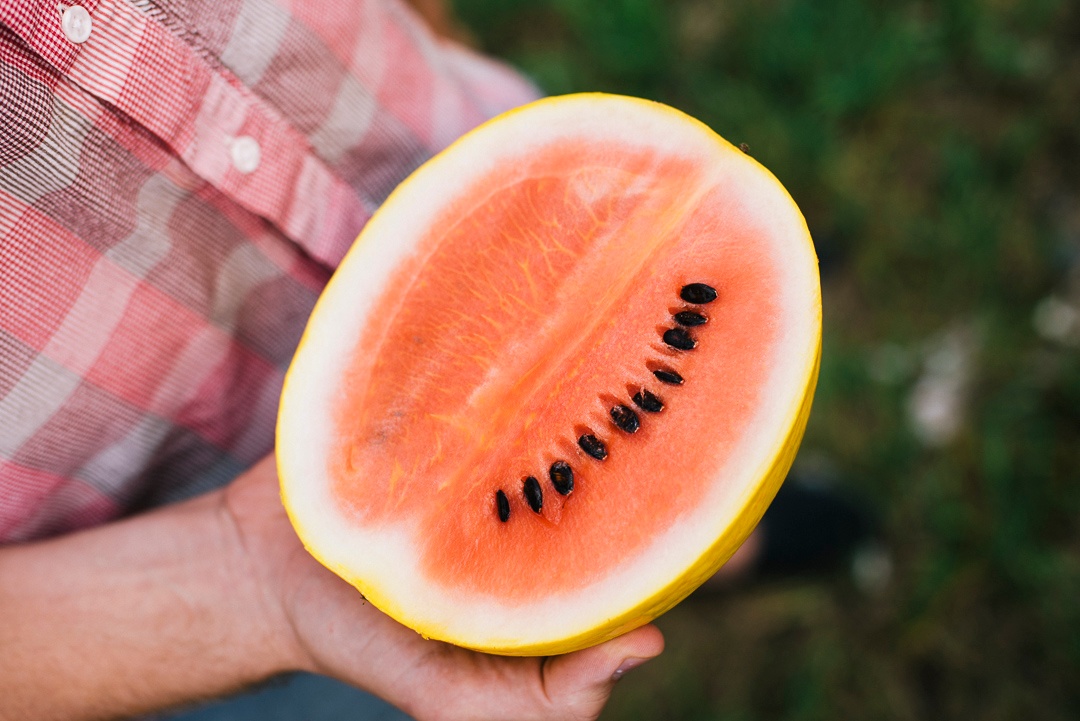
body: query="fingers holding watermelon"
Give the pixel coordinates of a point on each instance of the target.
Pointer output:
(583, 680)
(330, 629)
(449, 682)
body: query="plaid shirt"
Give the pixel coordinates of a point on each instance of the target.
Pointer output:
(174, 192)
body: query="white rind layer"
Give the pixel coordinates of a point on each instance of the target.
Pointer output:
(382, 563)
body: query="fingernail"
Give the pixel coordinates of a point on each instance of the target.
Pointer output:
(627, 665)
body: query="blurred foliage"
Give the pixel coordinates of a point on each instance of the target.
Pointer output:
(934, 148)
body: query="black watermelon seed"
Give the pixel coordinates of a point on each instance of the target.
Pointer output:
(648, 401)
(533, 494)
(625, 418)
(670, 377)
(593, 446)
(679, 339)
(502, 504)
(690, 318)
(562, 477)
(698, 293)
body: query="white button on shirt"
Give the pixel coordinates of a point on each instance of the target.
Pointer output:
(245, 154)
(76, 24)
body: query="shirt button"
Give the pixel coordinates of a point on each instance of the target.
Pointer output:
(245, 154)
(76, 24)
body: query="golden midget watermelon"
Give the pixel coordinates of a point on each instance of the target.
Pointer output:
(557, 380)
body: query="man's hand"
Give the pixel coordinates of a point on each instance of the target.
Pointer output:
(338, 634)
(205, 597)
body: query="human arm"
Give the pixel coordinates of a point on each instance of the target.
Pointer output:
(201, 598)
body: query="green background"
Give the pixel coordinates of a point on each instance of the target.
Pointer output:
(934, 149)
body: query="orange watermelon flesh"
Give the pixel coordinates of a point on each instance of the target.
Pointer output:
(560, 299)
(498, 305)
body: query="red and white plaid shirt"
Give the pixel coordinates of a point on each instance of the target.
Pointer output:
(174, 192)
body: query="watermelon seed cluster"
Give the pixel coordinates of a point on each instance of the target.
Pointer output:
(624, 417)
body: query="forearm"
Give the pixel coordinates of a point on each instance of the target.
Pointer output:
(141, 614)
(197, 599)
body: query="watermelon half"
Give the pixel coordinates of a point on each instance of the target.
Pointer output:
(558, 378)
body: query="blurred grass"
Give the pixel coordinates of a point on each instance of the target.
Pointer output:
(934, 148)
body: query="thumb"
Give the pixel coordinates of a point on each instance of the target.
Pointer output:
(578, 684)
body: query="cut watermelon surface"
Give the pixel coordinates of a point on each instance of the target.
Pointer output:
(558, 378)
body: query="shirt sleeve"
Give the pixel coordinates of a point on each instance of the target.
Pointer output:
(178, 180)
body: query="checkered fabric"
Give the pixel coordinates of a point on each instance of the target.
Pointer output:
(174, 193)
